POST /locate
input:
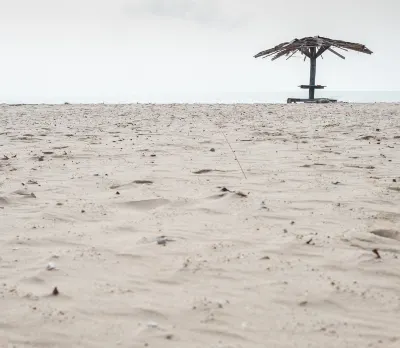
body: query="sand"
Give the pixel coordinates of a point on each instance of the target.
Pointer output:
(104, 203)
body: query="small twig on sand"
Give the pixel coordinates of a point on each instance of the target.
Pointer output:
(234, 154)
(230, 146)
(376, 252)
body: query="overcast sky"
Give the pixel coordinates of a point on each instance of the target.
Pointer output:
(186, 50)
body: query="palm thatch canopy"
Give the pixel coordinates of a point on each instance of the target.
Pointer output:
(311, 47)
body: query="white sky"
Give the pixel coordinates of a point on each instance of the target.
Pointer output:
(186, 50)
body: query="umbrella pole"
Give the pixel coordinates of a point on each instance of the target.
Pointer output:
(313, 71)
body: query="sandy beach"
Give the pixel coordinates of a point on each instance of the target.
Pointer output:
(141, 217)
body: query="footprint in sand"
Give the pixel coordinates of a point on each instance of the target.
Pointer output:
(205, 171)
(390, 234)
(135, 182)
(146, 204)
(395, 188)
(3, 201)
(143, 182)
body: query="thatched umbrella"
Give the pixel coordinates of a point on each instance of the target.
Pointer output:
(312, 48)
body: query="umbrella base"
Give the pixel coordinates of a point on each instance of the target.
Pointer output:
(314, 101)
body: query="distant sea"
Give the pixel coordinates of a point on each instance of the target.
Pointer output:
(344, 96)
(282, 96)
(274, 97)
